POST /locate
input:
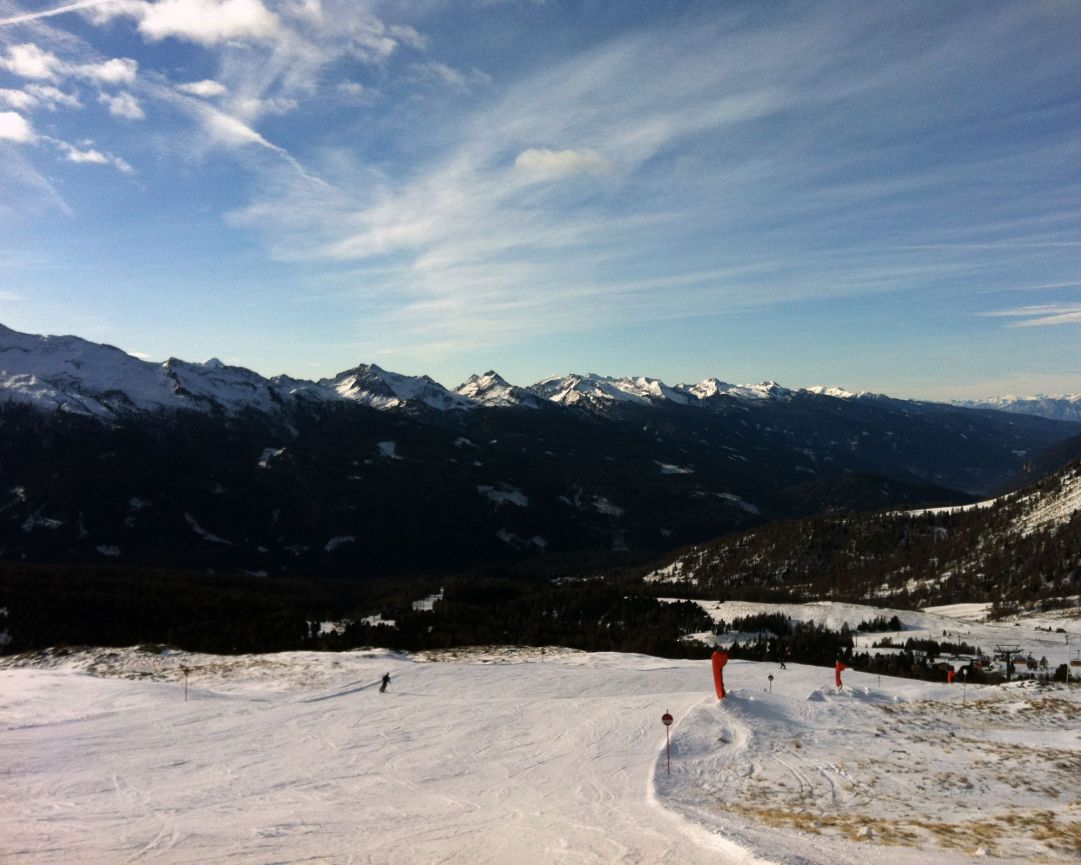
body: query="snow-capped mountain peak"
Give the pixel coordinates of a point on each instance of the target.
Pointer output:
(493, 390)
(712, 388)
(372, 385)
(67, 373)
(585, 390)
(215, 386)
(651, 389)
(837, 392)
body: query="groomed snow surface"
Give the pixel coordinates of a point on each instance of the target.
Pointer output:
(517, 756)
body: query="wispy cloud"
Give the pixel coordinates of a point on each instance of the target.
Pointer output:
(89, 155)
(27, 17)
(16, 99)
(670, 146)
(1041, 315)
(30, 191)
(28, 60)
(456, 79)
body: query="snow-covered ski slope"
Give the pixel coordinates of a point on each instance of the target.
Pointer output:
(517, 757)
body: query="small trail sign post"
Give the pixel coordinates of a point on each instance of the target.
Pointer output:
(666, 719)
(770, 677)
(186, 671)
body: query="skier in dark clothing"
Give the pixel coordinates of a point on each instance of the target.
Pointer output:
(386, 681)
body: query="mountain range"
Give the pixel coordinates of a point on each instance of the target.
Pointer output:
(106, 457)
(1060, 407)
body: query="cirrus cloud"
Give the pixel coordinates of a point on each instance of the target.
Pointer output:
(1041, 315)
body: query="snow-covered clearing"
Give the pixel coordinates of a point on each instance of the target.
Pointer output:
(514, 756)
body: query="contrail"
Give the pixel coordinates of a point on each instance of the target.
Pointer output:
(49, 13)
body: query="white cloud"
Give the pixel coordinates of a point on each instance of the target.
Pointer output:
(17, 99)
(89, 155)
(206, 88)
(307, 10)
(15, 127)
(561, 163)
(123, 105)
(92, 157)
(29, 61)
(119, 70)
(226, 130)
(51, 96)
(207, 22)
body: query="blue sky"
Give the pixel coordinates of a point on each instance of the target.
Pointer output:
(882, 196)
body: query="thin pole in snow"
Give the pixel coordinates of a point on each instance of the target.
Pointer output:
(185, 671)
(666, 719)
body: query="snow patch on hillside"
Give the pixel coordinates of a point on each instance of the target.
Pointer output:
(602, 506)
(338, 541)
(1054, 509)
(203, 533)
(504, 494)
(388, 450)
(519, 543)
(672, 469)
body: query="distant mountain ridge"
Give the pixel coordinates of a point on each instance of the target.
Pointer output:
(73, 374)
(1060, 407)
(107, 457)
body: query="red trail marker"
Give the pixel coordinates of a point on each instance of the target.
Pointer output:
(719, 660)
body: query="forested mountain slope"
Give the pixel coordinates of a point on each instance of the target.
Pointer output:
(1022, 548)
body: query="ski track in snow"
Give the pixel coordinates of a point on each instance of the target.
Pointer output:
(512, 758)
